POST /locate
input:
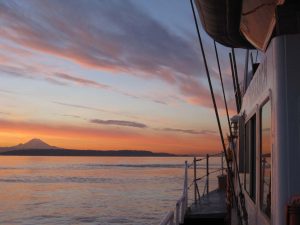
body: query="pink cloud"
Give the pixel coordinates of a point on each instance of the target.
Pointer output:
(94, 38)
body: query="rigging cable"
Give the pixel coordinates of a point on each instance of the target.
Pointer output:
(216, 111)
(241, 194)
(220, 74)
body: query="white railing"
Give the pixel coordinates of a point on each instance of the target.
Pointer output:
(181, 204)
(177, 216)
(168, 219)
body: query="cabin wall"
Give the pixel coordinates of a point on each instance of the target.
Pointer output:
(259, 90)
(287, 123)
(277, 79)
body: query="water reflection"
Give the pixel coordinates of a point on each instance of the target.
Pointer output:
(89, 190)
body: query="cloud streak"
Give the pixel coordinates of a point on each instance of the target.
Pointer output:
(72, 116)
(79, 106)
(189, 131)
(80, 81)
(48, 74)
(119, 123)
(62, 78)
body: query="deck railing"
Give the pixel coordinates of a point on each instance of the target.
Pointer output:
(181, 204)
(168, 219)
(206, 176)
(177, 217)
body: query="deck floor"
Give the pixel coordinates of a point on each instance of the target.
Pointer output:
(211, 209)
(212, 203)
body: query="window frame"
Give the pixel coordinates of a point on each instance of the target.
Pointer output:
(268, 100)
(252, 173)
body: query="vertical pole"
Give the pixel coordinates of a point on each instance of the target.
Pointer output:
(195, 177)
(263, 171)
(207, 174)
(256, 56)
(252, 61)
(252, 64)
(222, 164)
(236, 78)
(246, 71)
(234, 84)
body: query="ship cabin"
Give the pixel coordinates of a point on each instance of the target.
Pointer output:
(267, 144)
(263, 172)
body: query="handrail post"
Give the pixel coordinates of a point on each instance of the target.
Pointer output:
(172, 221)
(195, 177)
(177, 213)
(186, 185)
(183, 209)
(207, 174)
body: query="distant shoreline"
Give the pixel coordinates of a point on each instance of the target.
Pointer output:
(97, 153)
(37, 147)
(133, 156)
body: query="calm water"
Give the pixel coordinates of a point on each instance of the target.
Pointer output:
(88, 190)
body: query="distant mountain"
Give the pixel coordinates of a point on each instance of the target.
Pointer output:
(35, 144)
(32, 144)
(37, 147)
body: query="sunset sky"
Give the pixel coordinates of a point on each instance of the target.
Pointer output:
(108, 75)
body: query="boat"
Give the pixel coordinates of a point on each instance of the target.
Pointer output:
(261, 182)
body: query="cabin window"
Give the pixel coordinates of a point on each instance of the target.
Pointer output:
(249, 157)
(265, 159)
(241, 153)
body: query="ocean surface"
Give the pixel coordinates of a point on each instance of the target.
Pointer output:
(90, 190)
